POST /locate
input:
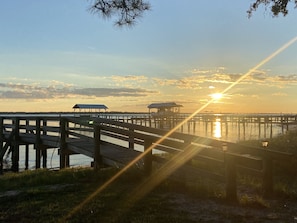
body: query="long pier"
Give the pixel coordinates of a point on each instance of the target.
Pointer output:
(217, 125)
(119, 143)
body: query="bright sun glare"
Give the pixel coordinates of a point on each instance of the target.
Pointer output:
(216, 96)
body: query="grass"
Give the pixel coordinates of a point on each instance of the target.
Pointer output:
(45, 195)
(52, 196)
(256, 201)
(49, 196)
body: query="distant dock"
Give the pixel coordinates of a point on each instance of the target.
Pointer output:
(204, 124)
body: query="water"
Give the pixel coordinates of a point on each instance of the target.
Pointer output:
(53, 159)
(234, 131)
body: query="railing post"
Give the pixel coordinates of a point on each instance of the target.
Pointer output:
(15, 146)
(1, 143)
(67, 156)
(37, 144)
(97, 152)
(27, 148)
(63, 144)
(44, 151)
(267, 176)
(231, 186)
(131, 138)
(148, 157)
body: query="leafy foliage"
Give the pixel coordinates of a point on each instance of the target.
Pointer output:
(276, 6)
(126, 10)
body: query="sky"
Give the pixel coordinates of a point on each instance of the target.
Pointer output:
(55, 54)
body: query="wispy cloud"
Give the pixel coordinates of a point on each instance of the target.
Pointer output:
(115, 92)
(137, 78)
(60, 90)
(198, 79)
(287, 79)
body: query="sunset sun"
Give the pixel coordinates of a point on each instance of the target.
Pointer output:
(216, 96)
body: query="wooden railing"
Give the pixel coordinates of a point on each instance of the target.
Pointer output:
(185, 155)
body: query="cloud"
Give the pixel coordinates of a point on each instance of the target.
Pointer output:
(61, 90)
(137, 78)
(206, 70)
(195, 82)
(200, 79)
(287, 79)
(113, 92)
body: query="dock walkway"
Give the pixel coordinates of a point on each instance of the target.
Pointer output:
(115, 143)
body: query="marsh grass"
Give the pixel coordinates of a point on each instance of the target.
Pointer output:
(41, 177)
(45, 196)
(286, 188)
(49, 196)
(253, 201)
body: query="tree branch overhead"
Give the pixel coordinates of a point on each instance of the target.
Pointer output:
(126, 11)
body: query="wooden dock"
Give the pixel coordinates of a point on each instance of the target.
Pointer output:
(113, 143)
(264, 123)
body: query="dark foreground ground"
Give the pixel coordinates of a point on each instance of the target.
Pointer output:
(77, 195)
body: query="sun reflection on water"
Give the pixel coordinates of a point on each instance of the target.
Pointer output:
(217, 133)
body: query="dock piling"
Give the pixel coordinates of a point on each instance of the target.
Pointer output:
(148, 158)
(62, 150)
(97, 154)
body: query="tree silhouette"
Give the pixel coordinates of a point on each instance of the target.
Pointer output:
(276, 6)
(128, 11)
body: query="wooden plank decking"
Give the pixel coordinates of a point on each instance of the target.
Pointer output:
(111, 153)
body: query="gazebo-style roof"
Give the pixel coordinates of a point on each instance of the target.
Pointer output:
(90, 106)
(164, 105)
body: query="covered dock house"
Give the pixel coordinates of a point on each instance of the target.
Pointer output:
(165, 115)
(90, 107)
(164, 110)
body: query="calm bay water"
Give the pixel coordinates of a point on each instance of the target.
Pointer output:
(234, 132)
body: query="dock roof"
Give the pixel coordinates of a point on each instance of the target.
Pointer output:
(164, 105)
(89, 106)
